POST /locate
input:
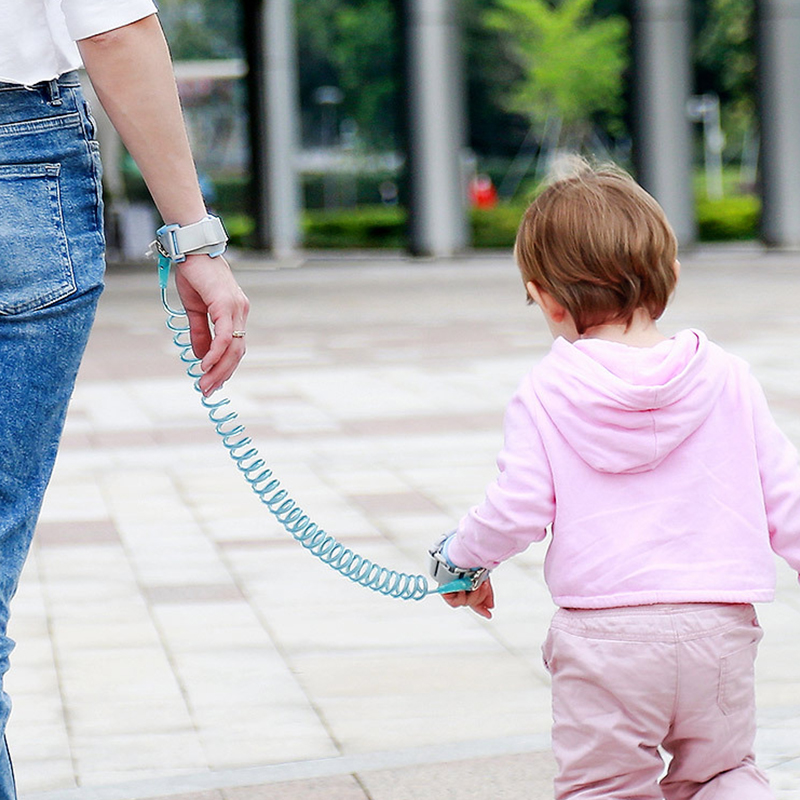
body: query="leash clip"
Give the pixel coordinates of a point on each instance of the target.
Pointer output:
(450, 577)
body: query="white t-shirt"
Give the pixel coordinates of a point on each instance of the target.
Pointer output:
(38, 39)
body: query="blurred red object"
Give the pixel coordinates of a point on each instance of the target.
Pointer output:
(482, 193)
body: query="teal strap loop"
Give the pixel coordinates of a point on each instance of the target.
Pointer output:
(163, 271)
(461, 585)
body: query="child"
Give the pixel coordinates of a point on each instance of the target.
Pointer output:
(665, 484)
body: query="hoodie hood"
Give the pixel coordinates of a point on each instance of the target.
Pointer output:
(625, 409)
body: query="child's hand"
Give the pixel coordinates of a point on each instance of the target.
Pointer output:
(481, 601)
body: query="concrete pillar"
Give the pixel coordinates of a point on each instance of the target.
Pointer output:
(779, 109)
(435, 127)
(663, 150)
(274, 114)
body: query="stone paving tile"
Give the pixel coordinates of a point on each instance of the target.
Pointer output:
(518, 777)
(341, 787)
(88, 531)
(170, 631)
(212, 795)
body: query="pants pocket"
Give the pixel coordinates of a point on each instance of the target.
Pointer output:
(35, 265)
(737, 677)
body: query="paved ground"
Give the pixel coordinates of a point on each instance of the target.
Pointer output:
(174, 642)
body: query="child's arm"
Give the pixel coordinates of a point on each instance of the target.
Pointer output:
(519, 504)
(518, 507)
(780, 480)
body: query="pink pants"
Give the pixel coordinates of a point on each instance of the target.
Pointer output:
(629, 681)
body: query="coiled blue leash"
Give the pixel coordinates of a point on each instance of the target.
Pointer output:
(269, 491)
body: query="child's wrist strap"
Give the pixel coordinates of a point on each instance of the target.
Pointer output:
(443, 571)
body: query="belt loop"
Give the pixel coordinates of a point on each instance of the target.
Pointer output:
(54, 92)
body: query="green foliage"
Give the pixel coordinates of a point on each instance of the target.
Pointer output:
(725, 48)
(572, 61)
(240, 228)
(734, 217)
(496, 227)
(729, 219)
(365, 227)
(384, 227)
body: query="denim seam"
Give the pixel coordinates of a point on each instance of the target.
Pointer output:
(72, 286)
(93, 154)
(71, 120)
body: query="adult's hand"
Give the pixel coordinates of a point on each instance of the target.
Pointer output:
(215, 307)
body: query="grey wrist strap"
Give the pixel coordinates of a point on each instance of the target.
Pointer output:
(444, 572)
(207, 237)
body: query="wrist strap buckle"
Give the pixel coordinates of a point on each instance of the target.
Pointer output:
(443, 572)
(175, 242)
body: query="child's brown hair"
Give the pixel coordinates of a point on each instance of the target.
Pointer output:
(600, 245)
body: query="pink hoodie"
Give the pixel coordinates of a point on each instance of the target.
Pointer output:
(661, 471)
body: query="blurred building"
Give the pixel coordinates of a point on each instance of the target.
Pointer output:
(663, 147)
(437, 177)
(662, 137)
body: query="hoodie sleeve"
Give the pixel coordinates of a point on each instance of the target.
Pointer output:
(519, 504)
(780, 480)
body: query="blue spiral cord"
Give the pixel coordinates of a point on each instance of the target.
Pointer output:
(268, 488)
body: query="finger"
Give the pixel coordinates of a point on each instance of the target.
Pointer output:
(222, 341)
(455, 599)
(222, 370)
(489, 594)
(481, 601)
(225, 352)
(199, 332)
(480, 608)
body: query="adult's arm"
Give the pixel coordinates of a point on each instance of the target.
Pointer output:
(131, 71)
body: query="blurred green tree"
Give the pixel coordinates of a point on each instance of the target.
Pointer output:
(494, 129)
(353, 45)
(572, 61)
(725, 55)
(725, 47)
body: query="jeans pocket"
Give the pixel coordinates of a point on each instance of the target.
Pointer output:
(35, 265)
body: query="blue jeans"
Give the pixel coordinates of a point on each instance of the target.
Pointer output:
(51, 276)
